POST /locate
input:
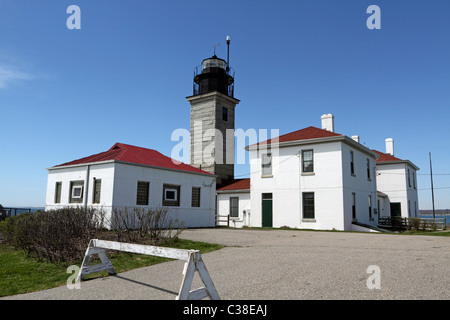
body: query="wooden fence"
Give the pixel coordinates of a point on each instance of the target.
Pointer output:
(225, 218)
(413, 222)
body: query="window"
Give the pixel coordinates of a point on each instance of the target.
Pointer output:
(143, 188)
(308, 205)
(234, 207)
(58, 192)
(352, 166)
(307, 161)
(353, 206)
(414, 179)
(266, 164)
(370, 207)
(368, 169)
(224, 114)
(97, 189)
(76, 192)
(195, 201)
(171, 195)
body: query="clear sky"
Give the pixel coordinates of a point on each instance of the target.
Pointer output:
(125, 75)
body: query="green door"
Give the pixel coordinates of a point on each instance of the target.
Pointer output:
(267, 210)
(396, 209)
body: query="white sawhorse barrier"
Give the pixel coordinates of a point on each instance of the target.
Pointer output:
(193, 263)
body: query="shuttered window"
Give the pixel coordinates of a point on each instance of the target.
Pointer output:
(97, 190)
(195, 197)
(58, 192)
(142, 193)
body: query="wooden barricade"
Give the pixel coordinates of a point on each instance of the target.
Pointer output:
(193, 263)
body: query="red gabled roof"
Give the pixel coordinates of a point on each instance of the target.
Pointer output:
(136, 155)
(385, 157)
(238, 184)
(303, 134)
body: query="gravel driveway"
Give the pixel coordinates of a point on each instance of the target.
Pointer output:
(285, 265)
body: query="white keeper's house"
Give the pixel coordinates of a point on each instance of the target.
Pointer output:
(315, 178)
(127, 176)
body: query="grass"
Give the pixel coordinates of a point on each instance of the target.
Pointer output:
(20, 273)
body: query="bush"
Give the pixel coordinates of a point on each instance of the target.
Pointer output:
(57, 236)
(141, 225)
(414, 223)
(63, 235)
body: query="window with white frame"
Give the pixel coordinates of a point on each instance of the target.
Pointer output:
(234, 207)
(171, 195)
(308, 205)
(307, 161)
(76, 191)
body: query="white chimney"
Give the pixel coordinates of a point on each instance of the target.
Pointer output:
(328, 122)
(390, 146)
(356, 138)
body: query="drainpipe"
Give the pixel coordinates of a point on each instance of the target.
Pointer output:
(86, 187)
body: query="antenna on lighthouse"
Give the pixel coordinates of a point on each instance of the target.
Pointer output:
(215, 48)
(228, 53)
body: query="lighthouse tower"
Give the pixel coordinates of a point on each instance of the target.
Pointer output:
(212, 118)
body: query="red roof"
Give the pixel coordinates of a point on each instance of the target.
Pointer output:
(303, 134)
(238, 184)
(384, 157)
(136, 155)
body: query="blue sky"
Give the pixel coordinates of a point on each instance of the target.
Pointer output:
(125, 75)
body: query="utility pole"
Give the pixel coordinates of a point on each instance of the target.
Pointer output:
(432, 190)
